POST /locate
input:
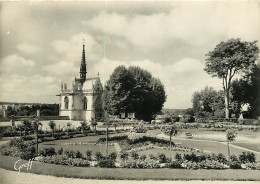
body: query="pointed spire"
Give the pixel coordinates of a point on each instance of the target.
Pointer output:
(83, 68)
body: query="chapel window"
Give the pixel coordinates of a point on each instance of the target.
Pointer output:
(85, 103)
(66, 101)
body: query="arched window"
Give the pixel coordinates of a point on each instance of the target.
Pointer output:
(66, 101)
(85, 103)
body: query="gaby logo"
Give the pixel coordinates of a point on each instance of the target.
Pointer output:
(18, 165)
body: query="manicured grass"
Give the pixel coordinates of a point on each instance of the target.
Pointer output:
(132, 174)
(214, 147)
(252, 146)
(82, 148)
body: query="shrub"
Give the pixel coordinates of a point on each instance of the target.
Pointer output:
(191, 157)
(107, 163)
(124, 156)
(89, 154)
(28, 153)
(17, 143)
(190, 165)
(60, 151)
(162, 157)
(64, 160)
(65, 137)
(99, 156)
(178, 156)
(251, 166)
(201, 158)
(113, 138)
(151, 156)
(112, 156)
(221, 158)
(247, 157)
(29, 138)
(174, 164)
(45, 139)
(9, 132)
(78, 154)
(141, 164)
(47, 152)
(233, 158)
(143, 157)
(134, 155)
(235, 165)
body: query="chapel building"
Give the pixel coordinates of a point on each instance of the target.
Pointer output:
(83, 100)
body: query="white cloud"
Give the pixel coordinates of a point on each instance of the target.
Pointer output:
(21, 88)
(28, 49)
(71, 49)
(61, 68)
(15, 64)
(194, 24)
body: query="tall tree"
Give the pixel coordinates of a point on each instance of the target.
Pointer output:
(27, 125)
(246, 90)
(36, 123)
(117, 91)
(134, 90)
(68, 127)
(52, 126)
(208, 102)
(229, 58)
(231, 136)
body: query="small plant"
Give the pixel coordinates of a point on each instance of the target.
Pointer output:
(134, 155)
(247, 157)
(60, 151)
(47, 152)
(231, 136)
(143, 157)
(112, 156)
(99, 156)
(124, 156)
(151, 156)
(162, 157)
(78, 154)
(89, 154)
(178, 156)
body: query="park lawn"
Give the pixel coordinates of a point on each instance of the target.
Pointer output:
(214, 147)
(57, 144)
(7, 162)
(251, 146)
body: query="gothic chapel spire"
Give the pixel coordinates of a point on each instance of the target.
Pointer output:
(83, 68)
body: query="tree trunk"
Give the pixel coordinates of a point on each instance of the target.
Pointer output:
(20, 135)
(227, 103)
(37, 141)
(228, 150)
(170, 147)
(107, 142)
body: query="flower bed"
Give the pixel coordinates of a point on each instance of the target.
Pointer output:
(64, 160)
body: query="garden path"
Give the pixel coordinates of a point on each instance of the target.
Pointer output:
(199, 140)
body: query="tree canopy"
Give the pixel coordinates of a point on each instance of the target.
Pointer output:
(246, 90)
(229, 58)
(134, 90)
(208, 102)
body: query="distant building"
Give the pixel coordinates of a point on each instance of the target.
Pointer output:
(83, 100)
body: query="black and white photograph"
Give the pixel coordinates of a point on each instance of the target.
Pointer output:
(140, 92)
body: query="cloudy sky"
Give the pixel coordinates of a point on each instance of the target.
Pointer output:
(41, 43)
